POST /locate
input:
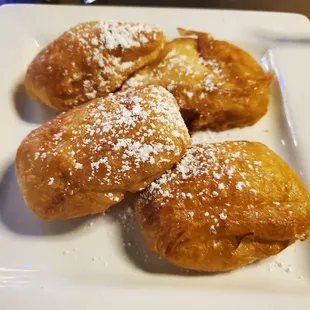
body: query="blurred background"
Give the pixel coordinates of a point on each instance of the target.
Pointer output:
(294, 6)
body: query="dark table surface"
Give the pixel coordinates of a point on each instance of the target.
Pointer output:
(296, 6)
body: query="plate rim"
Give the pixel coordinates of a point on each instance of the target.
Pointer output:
(71, 296)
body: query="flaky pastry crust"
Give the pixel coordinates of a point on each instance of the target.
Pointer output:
(217, 84)
(224, 205)
(84, 160)
(90, 61)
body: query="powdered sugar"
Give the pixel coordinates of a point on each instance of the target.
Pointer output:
(116, 138)
(207, 75)
(223, 216)
(95, 61)
(215, 169)
(115, 34)
(239, 186)
(78, 166)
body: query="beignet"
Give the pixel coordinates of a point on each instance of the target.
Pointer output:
(90, 61)
(224, 205)
(84, 160)
(217, 84)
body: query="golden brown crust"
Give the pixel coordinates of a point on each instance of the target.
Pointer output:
(216, 84)
(90, 61)
(84, 160)
(224, 205)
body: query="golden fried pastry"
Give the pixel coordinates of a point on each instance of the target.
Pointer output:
(217, 85)
(83, 161)
(224, 205)
(90, 61)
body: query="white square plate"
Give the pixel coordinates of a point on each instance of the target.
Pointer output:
(102, 260)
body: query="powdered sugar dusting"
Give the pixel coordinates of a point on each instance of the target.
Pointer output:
(215, 169)
(96, 57)
(115, 34)
(116, 138)
(207, 75)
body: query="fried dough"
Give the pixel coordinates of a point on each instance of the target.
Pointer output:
(224, 205)
(217, 84)
(90, 61)
(84, 160)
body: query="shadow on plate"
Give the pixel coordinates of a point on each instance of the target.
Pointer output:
(17, 217)
(135, 247)
(29, 110)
